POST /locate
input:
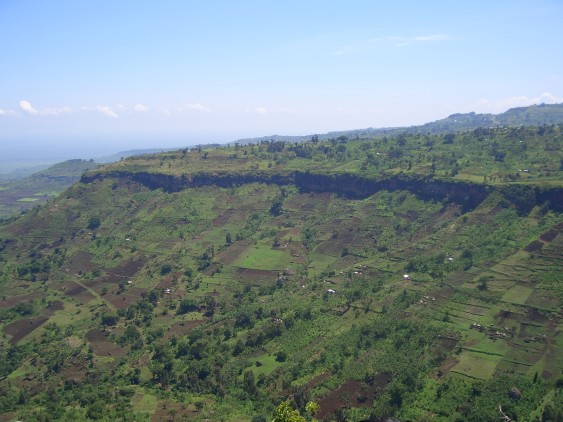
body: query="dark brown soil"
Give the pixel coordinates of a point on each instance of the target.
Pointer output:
(120, 301)
(7, 417)
(80, 263)
(230, 255)
(351, 394)
(102, 346)
(535, 246)
(253, 275)
(16, 300)
(22, 327)
(317, 380)
(56, 305)
(166, 409)
(128, 268)
(444, 369)
(70, 288)
(549, 235)
(182, 328)
(223, 219)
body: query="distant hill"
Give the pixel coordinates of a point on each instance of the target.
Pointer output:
(130, 153)
(535, 115)
(23, 194)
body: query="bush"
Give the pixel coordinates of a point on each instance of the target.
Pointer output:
(94, 223)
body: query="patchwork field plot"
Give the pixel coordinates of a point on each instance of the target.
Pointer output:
(215, 284)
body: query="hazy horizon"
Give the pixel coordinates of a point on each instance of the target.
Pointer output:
(103, 77)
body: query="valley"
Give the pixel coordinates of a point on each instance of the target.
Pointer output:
(414, 276)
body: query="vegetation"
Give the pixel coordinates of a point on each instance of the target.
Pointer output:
(23, 194)
(414, 277)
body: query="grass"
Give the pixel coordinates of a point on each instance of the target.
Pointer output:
(517, 295)
(144, 402)
(21, 371)
(268, 365)
(476, 365)
(263, 257)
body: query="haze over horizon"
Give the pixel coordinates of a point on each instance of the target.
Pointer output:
(97, 78)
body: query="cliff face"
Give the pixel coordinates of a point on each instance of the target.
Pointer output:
(351, 186)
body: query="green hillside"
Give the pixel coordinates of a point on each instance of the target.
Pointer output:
(23, 194)
(414, 277)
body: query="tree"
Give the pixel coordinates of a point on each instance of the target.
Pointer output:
(94, 223)
(249, 383)
(109, 318)
(165, 269)
(187, 305)
(228, 238)
(276, 207)
(285, 413)
(281, 356)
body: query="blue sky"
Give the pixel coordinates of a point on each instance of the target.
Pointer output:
(113, 75)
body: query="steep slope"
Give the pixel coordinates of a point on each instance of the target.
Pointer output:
(415, 276)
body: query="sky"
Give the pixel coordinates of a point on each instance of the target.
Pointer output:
(104, 76)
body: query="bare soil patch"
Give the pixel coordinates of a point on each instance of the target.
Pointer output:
(253, 275)
(102, 346)
(128, 268)
(75, 370)
(22, 327)
(352, 394)
(170, 411)
(73, 289)
(56, 305)
(447, 343)
(549, 235)
(536, 245)
(536, 316)
(120, 301)
(80, 263)
(7, 417)
(410, 215)
(503, 316)
(231, 254)
(317, 380)
(444, 369)
(16, 300)
(168, 282)
(223, 218)
(182, 328)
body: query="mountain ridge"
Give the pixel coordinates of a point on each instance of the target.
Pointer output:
(528, 115)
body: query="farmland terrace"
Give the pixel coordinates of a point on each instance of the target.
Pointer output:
(415, 277)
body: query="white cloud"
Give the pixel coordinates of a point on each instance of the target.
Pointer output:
(140, 108)
(105, 110)
(261, 110)
(199, 107)
(27, 107)
(49, 111)
(395, 41)
(405, 41)
(7, 112)
(496, 106)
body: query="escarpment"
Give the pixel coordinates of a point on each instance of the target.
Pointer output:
(353, 186)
